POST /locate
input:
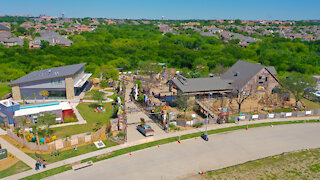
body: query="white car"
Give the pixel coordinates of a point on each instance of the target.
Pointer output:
(317, 93)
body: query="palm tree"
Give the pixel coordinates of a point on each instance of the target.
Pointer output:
(34, 97)
(23, 99)
(44, 94)
(23, 122)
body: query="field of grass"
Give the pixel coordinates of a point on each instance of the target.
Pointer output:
(48, 173)
(297, 165)
(4, 89)
(87, 112)
(71, 152)
(16, 168)
(310, 104)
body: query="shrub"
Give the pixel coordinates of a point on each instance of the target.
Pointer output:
(231, 121)
(115, 111)
(69, 120)
(104, 84)
(121, 134)
(198, 125)
(141, 98)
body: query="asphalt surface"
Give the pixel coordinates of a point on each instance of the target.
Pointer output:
(174, 160)
(133, 119)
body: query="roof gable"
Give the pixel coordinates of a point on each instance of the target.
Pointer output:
(241, 72)
(51, 73)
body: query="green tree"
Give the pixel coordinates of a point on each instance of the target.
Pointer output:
(182, 103)
(299, 85)
(44, 94)
(34, 97)
(22, 30)
(26, 43)
(46, 120)
(98, 96)
(44, 44)
(109, 72)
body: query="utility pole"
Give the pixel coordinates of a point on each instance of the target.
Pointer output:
(205, 135)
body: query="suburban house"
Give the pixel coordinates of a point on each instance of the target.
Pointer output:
(52, 37)
(12, 112)
(12, 41)
(251, 76)
(63, 82)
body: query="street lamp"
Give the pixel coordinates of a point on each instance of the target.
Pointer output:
(205, 135)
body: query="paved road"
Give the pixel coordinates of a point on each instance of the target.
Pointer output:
(17, 153)
(176, 160)
(133, 119)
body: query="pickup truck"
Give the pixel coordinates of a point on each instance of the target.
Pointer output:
(146, 130)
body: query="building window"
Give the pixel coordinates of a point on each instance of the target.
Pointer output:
(260, 77)
(266, 79)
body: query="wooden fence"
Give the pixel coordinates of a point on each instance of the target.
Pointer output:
(60, 143)
(314, 112)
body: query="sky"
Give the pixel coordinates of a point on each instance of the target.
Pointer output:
(170, 9)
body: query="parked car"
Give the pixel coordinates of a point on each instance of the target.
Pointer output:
(146, 130)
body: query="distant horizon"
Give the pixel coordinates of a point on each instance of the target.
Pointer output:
(292, 10)
(36, 16)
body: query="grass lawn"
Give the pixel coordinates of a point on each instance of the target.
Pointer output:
(4, 89)
(48, 173)
(310, 104)
(87, 112)
(16, 168)
(297, 165)
(89, 94)
(71, 152)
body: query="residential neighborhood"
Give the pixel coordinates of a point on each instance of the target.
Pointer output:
(182, 90)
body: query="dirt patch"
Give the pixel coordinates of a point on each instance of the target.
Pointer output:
(73, 164)
(6, 163)
(104, 155)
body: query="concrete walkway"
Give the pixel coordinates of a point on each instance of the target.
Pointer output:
(150, 139)
(18, 153)
(2, 132)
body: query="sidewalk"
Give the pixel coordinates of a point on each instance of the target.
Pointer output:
(18, 153)
(2, 132)
(150, 139)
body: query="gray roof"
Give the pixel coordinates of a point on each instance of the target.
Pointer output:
(272, 70)
(5, 34)
(51, 73)
(3, 27)
(241, 72)
(201, 84)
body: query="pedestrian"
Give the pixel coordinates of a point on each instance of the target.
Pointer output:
(37, 165)
(40, 162)
(44, 164)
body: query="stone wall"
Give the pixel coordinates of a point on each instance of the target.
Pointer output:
(69, 88)
(16, 93)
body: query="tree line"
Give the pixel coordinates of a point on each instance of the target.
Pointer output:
(128, 45)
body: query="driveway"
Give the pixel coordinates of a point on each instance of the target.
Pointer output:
(174, 160)
(133, 119)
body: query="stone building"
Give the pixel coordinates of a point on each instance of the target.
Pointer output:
(63, 82)
(251, 76)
